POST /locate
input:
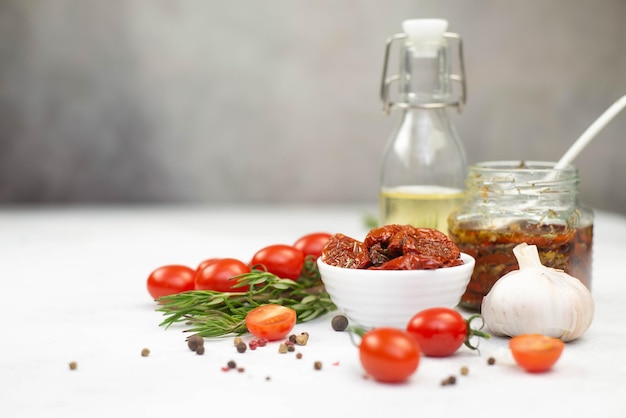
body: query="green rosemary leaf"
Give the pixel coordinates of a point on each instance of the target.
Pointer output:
(215, 314)
(304, 315)
(216, 301)
(218, 324)
(285, 284)
(254, 278)
(309, 299)
(312, 314)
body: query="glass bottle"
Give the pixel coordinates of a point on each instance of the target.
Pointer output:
(510, 202)
(424, 164)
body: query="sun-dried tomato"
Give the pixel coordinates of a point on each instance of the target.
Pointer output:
(423, 241)
(394, 247)
(379, 254)
(377, 241)
(410, 261)
(414, 261)
(346, 252)
(381, 235)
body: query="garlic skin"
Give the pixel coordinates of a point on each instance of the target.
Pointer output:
(537, 300)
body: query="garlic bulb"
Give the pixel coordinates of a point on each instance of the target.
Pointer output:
(537, 299)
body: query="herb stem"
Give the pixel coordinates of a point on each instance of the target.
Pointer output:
(217, 314)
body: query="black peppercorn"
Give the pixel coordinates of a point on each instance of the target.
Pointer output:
(339, 323)
(194, 342)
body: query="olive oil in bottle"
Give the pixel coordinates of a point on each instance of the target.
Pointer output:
(425, 206)
(424, 166)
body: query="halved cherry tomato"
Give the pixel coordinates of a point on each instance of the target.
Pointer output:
(313, 243)
(441, 331)
(169, 280)
(219, 275)
(283, 260)
(272, 322)
(535, 352)
(388, 354)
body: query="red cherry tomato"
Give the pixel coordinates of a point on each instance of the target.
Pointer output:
(272, 322)
(535, 352)
(441, 331)
(312, 244)
(388, 354)
(283, 260)
(207, 262)
(218, 275)
(169, 280)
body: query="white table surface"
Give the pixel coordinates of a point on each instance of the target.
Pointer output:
(73, 289)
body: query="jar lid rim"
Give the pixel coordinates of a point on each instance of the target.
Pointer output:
(521, 166)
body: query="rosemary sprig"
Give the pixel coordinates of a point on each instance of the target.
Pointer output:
(217, 314)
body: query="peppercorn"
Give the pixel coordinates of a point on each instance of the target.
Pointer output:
(464, 371)
(241, 347)
(73, 365)
(451, 380)
(339, 322)
(236, 341)
(491, 361)
(317, 365)
(253, 344)
(231, 364)
(200, 350)
(194, 342)
(145, 352)
(302, 338)
(299, 355)
(292, 338)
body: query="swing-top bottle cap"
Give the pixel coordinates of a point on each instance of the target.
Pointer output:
(425, 35)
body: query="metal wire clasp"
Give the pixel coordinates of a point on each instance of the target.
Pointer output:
(386, 81)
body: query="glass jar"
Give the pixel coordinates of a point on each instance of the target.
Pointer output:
(510, 202)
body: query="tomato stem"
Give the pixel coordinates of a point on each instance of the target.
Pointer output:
(474, 332)
(355, 331)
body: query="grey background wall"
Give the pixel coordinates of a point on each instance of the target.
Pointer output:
(236, 102)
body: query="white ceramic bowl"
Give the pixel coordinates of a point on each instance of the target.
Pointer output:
(377, 298)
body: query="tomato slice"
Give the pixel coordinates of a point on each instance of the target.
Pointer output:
(536, 352)
(272, 322)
